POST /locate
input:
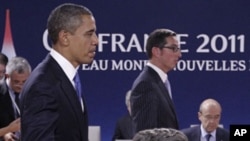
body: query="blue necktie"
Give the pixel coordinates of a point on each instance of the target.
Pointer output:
(208, 137)
(78, 86)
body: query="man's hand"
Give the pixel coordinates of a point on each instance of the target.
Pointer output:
(10, 137)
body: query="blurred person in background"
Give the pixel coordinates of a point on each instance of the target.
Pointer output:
(124, 128)
(18, 70)
(3, 62)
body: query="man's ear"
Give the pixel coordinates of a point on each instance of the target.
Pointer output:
(63, 38)
(199, 115)
(156, 51)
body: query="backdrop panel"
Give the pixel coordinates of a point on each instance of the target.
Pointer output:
(214, 41)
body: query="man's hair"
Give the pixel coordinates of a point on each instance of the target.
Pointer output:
(160, 134)
(18, 64)
(3, 59)
(157, 38)
(66, 17)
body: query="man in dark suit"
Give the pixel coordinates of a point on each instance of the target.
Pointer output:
(209, 114)
(124, 128)
(17, 72)
(151, 102)
(52, 106)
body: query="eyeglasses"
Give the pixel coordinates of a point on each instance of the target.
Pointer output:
(174, 48)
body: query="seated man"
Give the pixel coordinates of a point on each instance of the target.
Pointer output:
(160, 134)
(209, 114)
(124, 126)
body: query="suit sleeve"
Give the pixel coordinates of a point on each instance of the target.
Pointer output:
(39, 113)
(117, 132)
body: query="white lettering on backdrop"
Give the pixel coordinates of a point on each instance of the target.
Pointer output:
(209, 55)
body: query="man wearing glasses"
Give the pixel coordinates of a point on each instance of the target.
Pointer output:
(18, 70)
(151, 98)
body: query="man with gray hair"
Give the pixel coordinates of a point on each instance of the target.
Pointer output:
(160, 134)
(18, 70)
(124, 128)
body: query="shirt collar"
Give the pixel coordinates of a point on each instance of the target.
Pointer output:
(161, 73)
(204, 133)
(67, 67)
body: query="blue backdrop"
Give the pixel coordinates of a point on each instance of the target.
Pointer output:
(215, 52)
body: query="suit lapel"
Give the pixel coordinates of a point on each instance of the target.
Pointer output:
(68, 89)
(67, 92)
(162, 87)
(218, 134)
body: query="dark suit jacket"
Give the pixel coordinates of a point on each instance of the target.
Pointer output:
(151, 104)
(194, 134)
(7, 113)
(50, 109)
(124, 128)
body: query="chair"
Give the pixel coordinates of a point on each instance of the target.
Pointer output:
(94, 133)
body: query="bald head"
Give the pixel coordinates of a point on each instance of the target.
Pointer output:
(209, 114)
(210, 104)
